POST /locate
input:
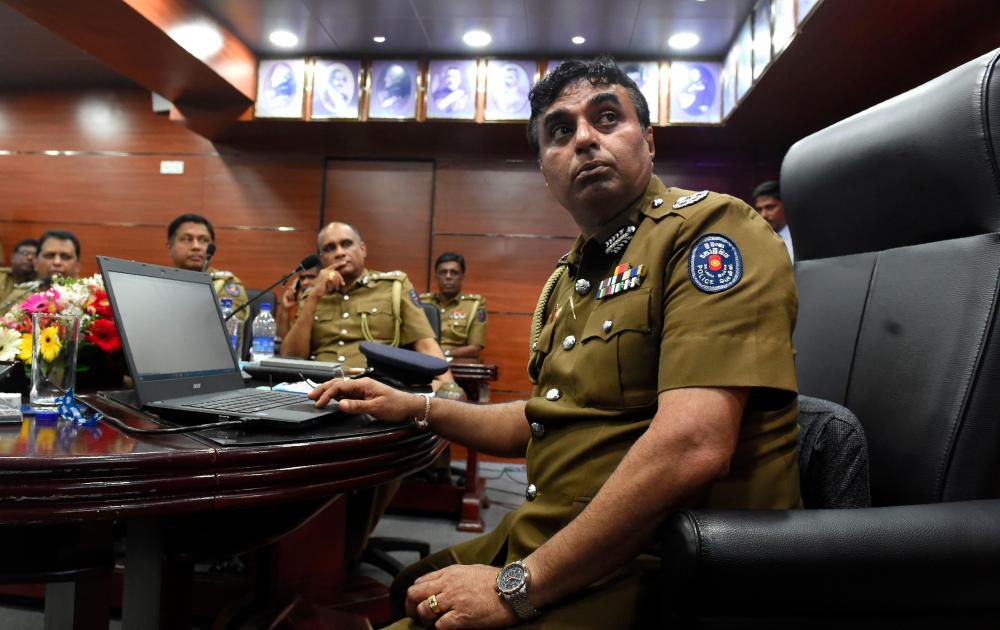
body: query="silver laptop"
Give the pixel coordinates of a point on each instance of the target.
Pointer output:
(178, 351)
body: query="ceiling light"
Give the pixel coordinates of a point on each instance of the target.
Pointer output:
(477, 39)
(284, 39)
(683, 41)
(201, 39)
(379, 39)
(578, 39)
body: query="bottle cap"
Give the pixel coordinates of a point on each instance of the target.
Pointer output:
(46, 416)
(265, 307)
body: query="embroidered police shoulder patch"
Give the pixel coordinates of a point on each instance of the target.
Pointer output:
(715, 263)
(414, 297)
(232, 289)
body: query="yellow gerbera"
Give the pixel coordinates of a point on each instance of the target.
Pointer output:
(49, 344)
(24, 352)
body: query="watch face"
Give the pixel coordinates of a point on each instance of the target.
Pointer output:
(511, 578)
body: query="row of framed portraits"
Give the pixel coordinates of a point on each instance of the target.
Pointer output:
(765, 34)
(493, 90)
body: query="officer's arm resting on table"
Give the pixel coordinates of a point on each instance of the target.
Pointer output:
(689, 443)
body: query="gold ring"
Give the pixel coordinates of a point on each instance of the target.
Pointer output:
(329, 275)
(432, 603)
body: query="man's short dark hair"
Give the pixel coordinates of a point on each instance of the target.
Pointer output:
(599, 71)
(26, 242)
(61, 235)
(450, 257)
(767, 189)
(189, 218)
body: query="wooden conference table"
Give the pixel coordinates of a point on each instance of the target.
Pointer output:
(187, 494)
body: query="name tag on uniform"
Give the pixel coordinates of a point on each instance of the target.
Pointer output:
(625, 278)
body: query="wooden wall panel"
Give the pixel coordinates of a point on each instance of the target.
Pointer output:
(497, 197)
(510, 272)
(390, 203)
(507, 348)
(264, 191)
(98, 188)
(104, 120)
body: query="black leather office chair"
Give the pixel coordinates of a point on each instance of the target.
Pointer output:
(434, 317)
(895, 214)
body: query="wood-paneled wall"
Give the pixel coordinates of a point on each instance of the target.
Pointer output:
(267, 206)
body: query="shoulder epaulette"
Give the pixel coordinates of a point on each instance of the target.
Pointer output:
(426, 296)
(387, 275)
(470, 296)
(221, 275)
(564, 258)
(690, 200)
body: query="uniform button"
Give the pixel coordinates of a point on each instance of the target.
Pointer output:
(657, 202)
(537, 429)
(316, 317)
(530, 492)
(374, 310)
(346, 315)
(552, 395)
(569, 342)
(340, 343)
(343, 331)
(607, 325)
(347, 297)
(341, 358)
(582, 286)
(534, 344)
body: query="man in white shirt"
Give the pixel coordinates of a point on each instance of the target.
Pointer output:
(766, 198)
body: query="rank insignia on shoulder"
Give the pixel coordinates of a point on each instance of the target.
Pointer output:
(690, 200)
(481, 315)
(617, 241)
(625, 278)
(414, 297)
(232, 289)
(715, 263)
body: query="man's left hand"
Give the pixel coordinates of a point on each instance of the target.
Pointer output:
(466, 596)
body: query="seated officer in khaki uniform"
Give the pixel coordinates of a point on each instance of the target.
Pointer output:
(58, 255)
(15, 280)
(348, 304)
(188, 238)
(463, 315)
(664, 377)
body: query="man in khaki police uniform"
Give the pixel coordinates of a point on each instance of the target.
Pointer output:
(348, 304)
(662, 361)
(58, 255)
(188, 238)
(463, 315)
(17, 281)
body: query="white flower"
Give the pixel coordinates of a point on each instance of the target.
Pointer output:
(10, 342)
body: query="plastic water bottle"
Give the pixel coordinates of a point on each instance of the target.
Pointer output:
(264, 328)
(232, 324)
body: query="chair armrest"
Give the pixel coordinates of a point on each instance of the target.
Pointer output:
(938, 558)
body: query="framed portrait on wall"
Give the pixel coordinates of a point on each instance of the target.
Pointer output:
(729, 81)
(336, 87)
(761, 37)
(280, 88)
(783, 19)
(451, 89)
(804, 8)
(695, 92)
(508, 83)
(393, 89)
(744, 65)
(646, 75)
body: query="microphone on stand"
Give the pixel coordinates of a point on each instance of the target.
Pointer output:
(310, 261)
(208, 256)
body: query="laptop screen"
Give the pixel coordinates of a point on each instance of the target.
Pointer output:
(172, 326)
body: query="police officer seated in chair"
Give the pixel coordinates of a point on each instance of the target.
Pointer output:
(696, 290)
(188, 240)
(462, 315)
(346, 305)
(14, 279)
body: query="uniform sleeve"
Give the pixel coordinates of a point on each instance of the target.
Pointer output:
(717, 334)
(241, 295)
(415, 325)
(477, 326)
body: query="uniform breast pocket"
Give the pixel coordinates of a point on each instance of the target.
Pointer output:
(621, 353)
(378, 324)
(326, 329)
(542, 346)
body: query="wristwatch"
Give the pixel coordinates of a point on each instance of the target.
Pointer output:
(512, 585)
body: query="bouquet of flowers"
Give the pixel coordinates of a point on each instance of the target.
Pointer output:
(83, 297)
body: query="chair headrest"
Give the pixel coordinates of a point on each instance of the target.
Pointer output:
(918, 168)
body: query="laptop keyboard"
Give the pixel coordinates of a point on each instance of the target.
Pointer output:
(249, 401)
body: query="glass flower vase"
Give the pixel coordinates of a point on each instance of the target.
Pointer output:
(55, 340)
